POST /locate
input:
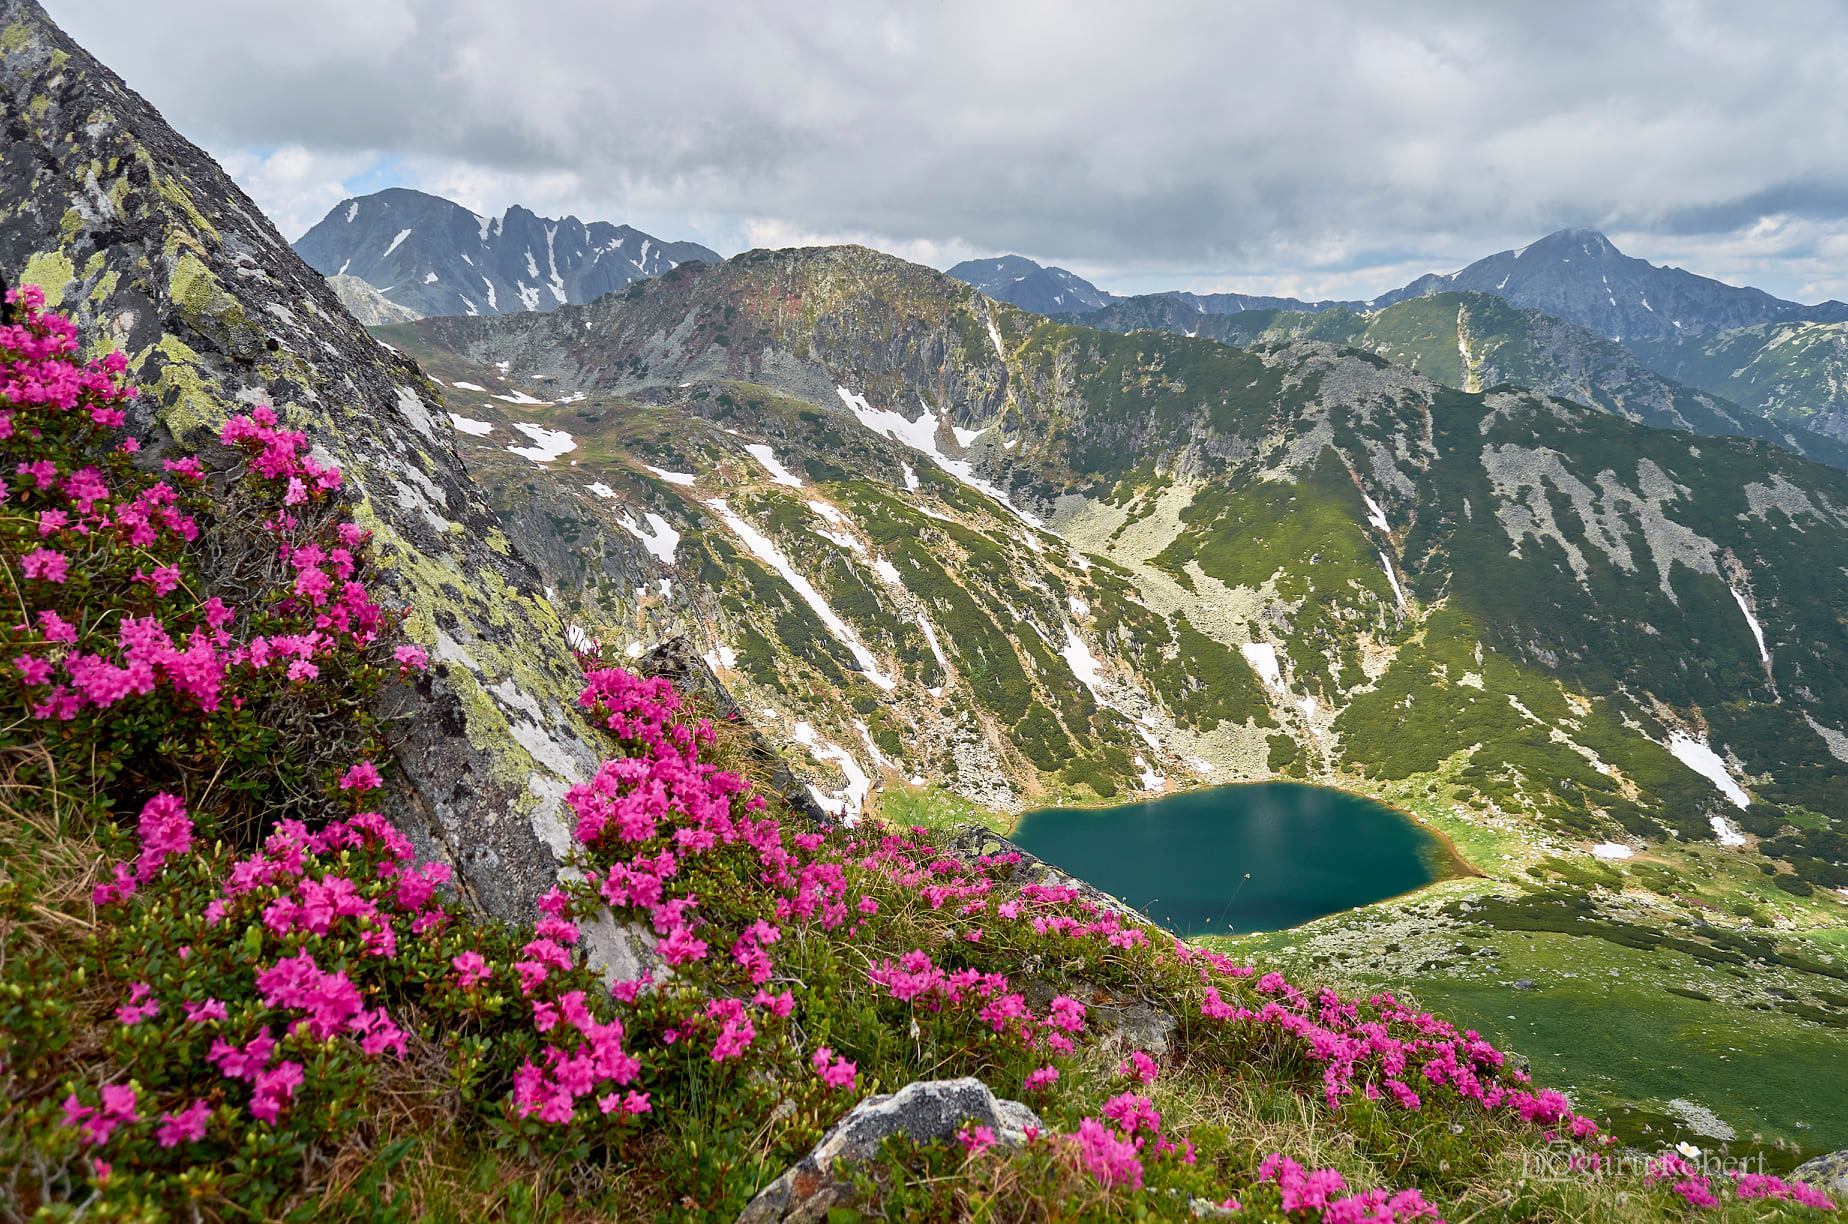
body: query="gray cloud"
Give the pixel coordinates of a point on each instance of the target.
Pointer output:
(1271, 146)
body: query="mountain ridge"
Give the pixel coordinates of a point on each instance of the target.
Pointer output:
(1470, 340)
(1538, 283)
(433, 256)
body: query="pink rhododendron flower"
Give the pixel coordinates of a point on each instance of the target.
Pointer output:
(47, 564)
(141, 1005)
(976, 1139)
(1042, 1079)
(199, 1013)
(834, 1072)
(1113, 1161)
(362, 777)
(471, 969)
(1140, 1066)
(98, 1122)
(184, 1126)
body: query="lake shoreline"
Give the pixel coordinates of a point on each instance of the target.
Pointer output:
(1154, 859)
(1457, 865)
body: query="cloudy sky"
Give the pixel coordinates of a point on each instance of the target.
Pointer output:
(1330, 149)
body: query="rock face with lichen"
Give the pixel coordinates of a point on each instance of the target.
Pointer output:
(144, 240)
(929, 1111)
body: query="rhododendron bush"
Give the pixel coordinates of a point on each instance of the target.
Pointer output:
(229, 987)
(123, 667)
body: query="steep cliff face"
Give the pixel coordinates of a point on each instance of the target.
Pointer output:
(141, 237)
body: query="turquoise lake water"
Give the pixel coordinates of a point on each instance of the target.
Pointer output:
(1238, 859)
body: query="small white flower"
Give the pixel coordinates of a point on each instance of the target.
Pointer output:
(1688, 1150)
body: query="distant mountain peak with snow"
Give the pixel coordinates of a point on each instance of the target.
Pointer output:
(434, 257)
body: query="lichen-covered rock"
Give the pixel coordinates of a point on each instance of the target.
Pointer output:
(930, 1111)
(143, 239)
(1828, 1173)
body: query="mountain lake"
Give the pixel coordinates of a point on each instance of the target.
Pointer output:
(1236, 859)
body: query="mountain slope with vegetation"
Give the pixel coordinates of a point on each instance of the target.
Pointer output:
(1789, 373)
(1472, 340)
(1195, 443)
(276, 1010)
(1571, 645)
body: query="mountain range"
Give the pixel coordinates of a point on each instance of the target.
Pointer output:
(1573, 274)
(1472, 340)
(963, 560)
(1055, 502)
(1778, 365)
(434, 257)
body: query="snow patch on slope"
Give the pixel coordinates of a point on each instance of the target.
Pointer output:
(994, 333)
(921, 436)
(767, 457)
(1703, 760)
(767, 552)
(1758, 633)
(1263, 659)
(660, 538)
(850, 800)
(1398, 593)
(1084, 664)
(1376, 516)
(548, 444)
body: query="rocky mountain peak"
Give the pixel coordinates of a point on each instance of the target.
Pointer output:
(435, 257)
(1024, 283)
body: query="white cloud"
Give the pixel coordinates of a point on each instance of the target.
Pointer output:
(294, 186)
(1153, 145)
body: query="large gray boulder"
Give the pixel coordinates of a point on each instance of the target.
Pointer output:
(141, 237)
(930, 1111)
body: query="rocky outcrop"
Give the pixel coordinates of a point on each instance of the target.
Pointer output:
(145, 241)
(931, 1111)
(1829, 1173)
(367, 305)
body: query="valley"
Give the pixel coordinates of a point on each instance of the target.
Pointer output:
(1133, 565)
